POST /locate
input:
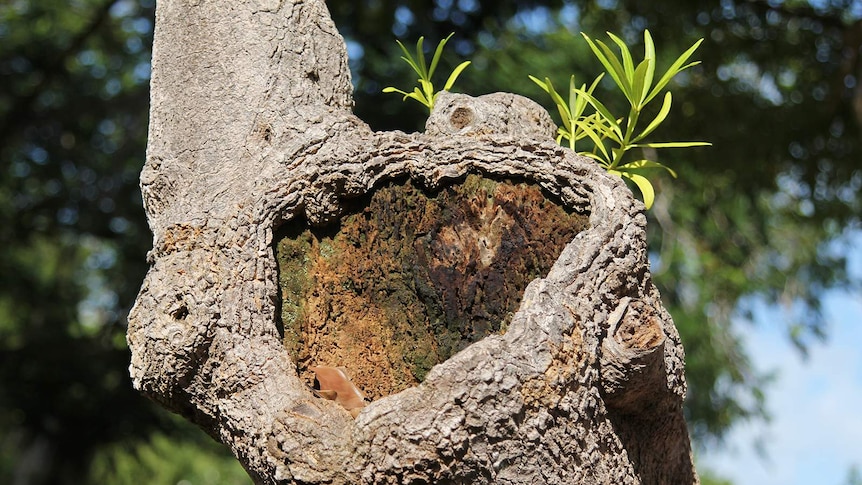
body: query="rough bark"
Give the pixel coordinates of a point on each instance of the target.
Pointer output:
(251, 127)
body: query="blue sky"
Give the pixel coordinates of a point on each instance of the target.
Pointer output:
(815, 436)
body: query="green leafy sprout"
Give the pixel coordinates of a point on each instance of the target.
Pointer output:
(424, 93)
(621, 133)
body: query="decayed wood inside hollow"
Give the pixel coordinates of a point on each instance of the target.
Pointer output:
(407, 278)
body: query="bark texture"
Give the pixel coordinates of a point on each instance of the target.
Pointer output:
(251, 128)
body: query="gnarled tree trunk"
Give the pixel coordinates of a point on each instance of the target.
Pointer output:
(251, 127)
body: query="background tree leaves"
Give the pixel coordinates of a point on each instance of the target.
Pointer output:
(73, 120)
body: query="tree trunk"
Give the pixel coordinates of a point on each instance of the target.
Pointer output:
(250, 129)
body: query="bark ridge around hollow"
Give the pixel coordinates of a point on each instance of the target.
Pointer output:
(251, 127)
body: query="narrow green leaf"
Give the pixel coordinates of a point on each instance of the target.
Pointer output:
(610, 62)
(596, 83)
(420, 54)
(690, 64)
(419, 96)
(659, 118)
(628, 63)
(409, 58)
(675, 69)
(390, 89)
(537, 81)
(645, 165)
(639, 86)
(427, 88)
(644, 186)
(437, 54)
(674, 144)
(562, 107)
(582, 102)
(600, 126)
(615, 133)
(649, 56)
(413, 65)
(560, 134)
(575, 101)
(588, 130)
(419, 93)
(455, 74)
(564, 133)
(565, 116)
(403, 49)
(556, 96)
(548, 87)
(623, 80)
(602, 161)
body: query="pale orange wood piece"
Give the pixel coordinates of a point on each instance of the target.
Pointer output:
(336, 385)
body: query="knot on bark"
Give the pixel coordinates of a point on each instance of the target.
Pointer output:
(491, 114)
(632, 361)
(172, 319)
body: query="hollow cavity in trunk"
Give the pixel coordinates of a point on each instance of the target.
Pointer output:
(407, 278)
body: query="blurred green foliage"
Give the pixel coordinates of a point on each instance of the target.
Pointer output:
(756, 217)
(163, 459)
(854, 477)
(707, 478)
(73, 119)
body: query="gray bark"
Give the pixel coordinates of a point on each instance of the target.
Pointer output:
(251, 126)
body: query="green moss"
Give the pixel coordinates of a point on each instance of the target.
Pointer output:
(293, 255)
(326, 249)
